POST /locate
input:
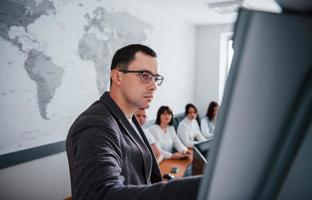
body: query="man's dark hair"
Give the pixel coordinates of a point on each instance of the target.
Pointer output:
(124, 56)
(162, 110)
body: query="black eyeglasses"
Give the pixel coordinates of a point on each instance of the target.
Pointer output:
(146, 76)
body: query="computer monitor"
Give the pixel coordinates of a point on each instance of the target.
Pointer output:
(200, 155)
(263, 136)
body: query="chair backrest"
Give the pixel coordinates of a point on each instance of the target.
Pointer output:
(176, 120)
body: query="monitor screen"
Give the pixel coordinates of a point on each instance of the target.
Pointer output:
(203, 147)
(265, 116)
(200, 155)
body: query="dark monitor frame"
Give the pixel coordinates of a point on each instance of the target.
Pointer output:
(271, 167)
(200, 154)
(203, 148)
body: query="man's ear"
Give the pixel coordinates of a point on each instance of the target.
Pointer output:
(116, 77)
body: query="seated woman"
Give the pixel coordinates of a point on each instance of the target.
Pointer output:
(208, 122)
(166, 137)
(188, 129)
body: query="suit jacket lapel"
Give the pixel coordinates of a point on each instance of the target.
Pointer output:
(148, 171)
(141, 146)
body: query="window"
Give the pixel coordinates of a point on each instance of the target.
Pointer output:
(226, 55)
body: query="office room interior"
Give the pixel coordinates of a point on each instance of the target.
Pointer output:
(76, 40)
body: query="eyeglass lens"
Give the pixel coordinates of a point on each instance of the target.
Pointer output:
(147, 77)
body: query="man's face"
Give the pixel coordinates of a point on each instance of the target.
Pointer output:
(136, 93)
(141, 116)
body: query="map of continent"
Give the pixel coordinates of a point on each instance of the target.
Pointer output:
(47, 78)
(56, 61)
(105, 33)
(15, 18)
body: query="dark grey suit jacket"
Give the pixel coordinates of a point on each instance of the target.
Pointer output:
(108, 159)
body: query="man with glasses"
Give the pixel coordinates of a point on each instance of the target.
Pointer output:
(108, 153)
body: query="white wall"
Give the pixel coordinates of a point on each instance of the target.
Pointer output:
(174, 41)
(176, 62)
(207, 64)
(43, 179)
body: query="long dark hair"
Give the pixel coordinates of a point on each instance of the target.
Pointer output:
(162, 110)
(210, 110)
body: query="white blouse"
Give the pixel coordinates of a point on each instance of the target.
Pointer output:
(166, 141)
(189, 132)
(149, 136)
(207, 127)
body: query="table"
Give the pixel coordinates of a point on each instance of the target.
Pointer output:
(166, 166)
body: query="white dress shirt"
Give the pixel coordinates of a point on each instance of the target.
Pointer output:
(189, 132)
(149, 136)
(166, 140)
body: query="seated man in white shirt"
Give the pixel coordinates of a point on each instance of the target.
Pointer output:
(188, 129)
(141, 116)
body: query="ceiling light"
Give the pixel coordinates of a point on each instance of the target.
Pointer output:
(226, 7)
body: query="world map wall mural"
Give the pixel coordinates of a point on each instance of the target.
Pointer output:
(55, 60)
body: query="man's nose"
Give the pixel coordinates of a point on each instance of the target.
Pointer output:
(152, 85)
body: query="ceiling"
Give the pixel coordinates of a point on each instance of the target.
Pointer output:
(197, 12)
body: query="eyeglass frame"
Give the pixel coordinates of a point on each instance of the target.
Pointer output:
(157, 77)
